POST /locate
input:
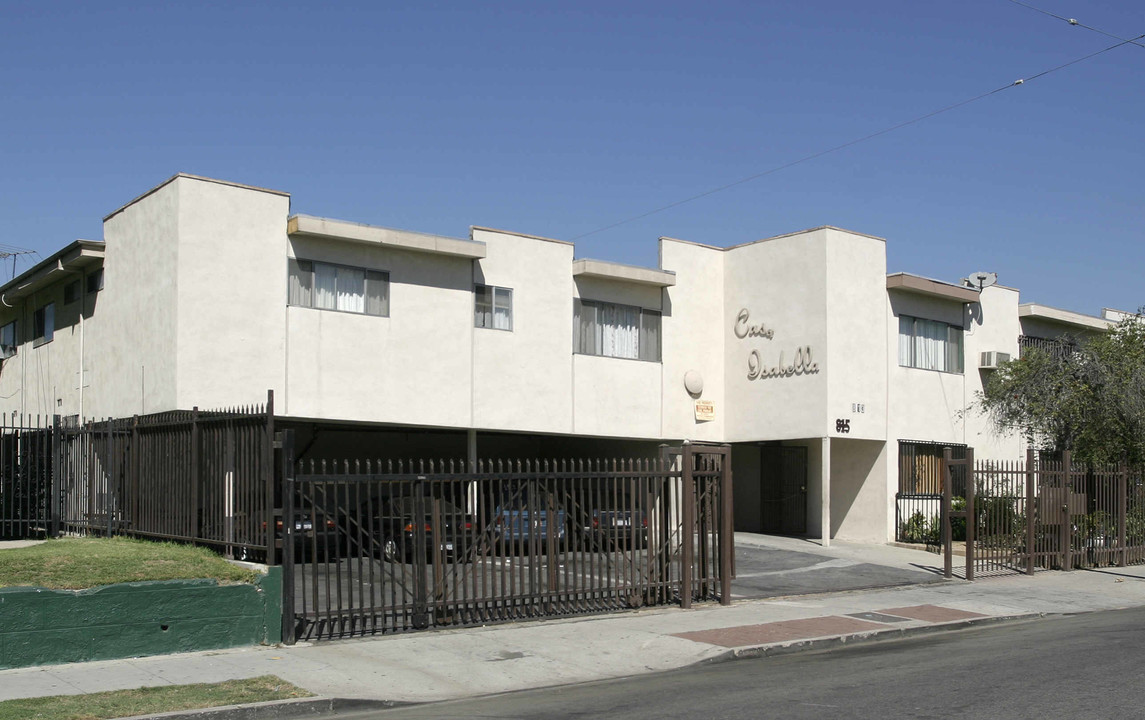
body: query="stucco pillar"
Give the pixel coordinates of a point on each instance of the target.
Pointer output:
(825, 491)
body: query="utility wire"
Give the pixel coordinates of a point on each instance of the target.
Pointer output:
(837, 148)
(1075, 23)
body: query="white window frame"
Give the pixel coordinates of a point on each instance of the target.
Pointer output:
(487, 300)
(44, 315)
(590, 339)
(301, 290)
(931, 345)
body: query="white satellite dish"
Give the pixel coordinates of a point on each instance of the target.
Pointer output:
(982, 280)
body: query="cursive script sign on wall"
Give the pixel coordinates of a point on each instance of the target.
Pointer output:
(801, 363)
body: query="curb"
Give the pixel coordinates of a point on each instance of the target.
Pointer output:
(872, 636)
(277, 709)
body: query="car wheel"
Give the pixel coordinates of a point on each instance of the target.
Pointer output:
(390, 551)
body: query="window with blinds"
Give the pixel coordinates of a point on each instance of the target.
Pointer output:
(620, 331)
(930, 345)
(326, 286)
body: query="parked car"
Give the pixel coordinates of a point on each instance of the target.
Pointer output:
(311, 544)
(520, 520)
(616, 528)
(394, 529)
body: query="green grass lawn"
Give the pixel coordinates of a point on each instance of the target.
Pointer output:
(75, 563)
(144, 701)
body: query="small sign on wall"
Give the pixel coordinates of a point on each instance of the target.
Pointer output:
(705, 410)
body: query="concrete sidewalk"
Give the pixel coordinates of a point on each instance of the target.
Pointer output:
(450, 664)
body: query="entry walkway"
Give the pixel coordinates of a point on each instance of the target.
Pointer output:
(477, 661)
(774, 566)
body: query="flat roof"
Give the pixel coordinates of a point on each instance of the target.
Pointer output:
(517, 234)
(309, 226)
(73, 258)
(189, 176)
(604, 270)
(1065, 317)
(934, 288)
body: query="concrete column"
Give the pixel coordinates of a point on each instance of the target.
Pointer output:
(825, 491)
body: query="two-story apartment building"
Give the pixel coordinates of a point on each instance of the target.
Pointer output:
(799, 350)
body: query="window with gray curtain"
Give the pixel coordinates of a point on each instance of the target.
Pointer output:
(612, 330)
(493, 307)
(930, 345)
(327, 286)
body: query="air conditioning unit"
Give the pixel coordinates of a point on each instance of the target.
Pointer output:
(992, 359)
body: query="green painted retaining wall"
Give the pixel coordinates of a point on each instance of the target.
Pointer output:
(43, 627)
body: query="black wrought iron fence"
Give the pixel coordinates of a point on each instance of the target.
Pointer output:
(195, 476)
(392, 546)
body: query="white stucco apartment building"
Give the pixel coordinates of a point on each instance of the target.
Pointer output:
(387, 343)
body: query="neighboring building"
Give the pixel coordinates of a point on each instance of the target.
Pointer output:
(800, 351)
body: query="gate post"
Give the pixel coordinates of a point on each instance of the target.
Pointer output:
(727, 527)
(55, 497)
(269, 477)
(1122, 492)
(971, 519)
(1031, 509)
(947, 503)
(285, 443)
(687, 523)
(1067, 517)
(193, 506)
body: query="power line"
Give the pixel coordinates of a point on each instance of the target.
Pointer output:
(1075, 23)
(837, 148)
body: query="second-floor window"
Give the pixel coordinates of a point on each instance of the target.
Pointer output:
(493, 307)
(326, 286)
(611, 330)
(8, 340)
(930, 344)
(44, 324)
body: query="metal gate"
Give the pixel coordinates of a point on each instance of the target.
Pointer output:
(373, 548)
(1045, 514)
(783, 489)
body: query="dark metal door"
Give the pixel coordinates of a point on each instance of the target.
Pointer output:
(783, 489)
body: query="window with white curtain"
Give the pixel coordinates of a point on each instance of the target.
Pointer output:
(611, 330)
(327, 286)
(930, 345)
(493, 307)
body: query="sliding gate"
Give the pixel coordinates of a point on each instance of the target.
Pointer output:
(372, 548)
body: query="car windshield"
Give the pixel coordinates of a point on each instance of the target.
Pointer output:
(408, 506)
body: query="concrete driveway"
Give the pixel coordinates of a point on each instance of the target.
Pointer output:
(774, 566)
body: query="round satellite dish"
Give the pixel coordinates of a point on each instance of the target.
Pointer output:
(693, 382)
(982, 280)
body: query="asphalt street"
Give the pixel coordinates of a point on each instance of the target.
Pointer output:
(1088, 665)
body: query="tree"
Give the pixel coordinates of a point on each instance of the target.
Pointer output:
(1085, 396)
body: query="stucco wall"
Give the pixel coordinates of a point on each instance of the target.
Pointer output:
(231, 290)
(781, 284)
(694, 336)
(522, 379)
(859, 504)
(413, 367)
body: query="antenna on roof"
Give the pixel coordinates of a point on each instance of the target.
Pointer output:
(11, 251)
(980, 280)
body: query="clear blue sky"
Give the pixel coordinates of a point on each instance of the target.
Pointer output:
(556, 119)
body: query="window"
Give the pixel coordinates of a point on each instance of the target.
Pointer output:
(71, 292)
(611, 330)
(326, 286)
(44, 325)
(95, 281)
(493, 307)
(8, 340)
(930, 345)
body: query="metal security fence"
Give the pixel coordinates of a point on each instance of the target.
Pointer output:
(386, 547)
(918, 502)
(1021, 517)
(27, 456)
(196, 476)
